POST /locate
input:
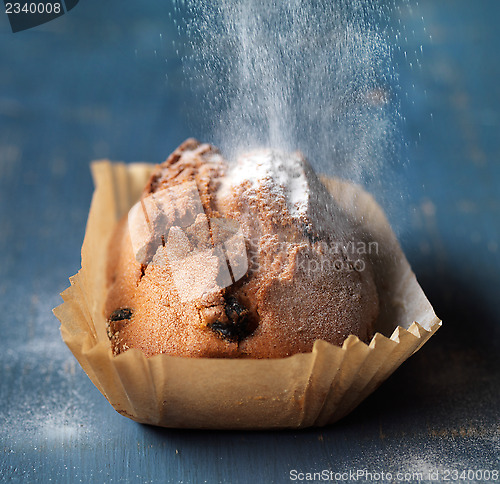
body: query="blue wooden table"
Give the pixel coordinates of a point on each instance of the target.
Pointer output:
(91, 84)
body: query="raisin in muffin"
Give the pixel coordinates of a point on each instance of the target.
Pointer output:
(251, 259)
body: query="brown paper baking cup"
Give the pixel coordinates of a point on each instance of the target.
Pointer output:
(309, 389)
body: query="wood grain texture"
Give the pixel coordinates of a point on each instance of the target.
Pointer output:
(77, 90)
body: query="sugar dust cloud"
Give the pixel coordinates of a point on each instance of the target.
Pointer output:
(319, 77)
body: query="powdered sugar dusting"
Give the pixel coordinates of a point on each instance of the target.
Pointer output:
(55, 410)
(280, 173)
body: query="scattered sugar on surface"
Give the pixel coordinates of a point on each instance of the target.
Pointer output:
(42, 399)
(418, 458)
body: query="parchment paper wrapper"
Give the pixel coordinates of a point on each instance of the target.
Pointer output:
(309, 389)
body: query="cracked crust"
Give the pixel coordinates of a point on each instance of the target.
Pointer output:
(280, 307)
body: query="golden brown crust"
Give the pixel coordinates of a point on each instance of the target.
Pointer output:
(288, 298)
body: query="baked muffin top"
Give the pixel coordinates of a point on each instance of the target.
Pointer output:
(249, 259)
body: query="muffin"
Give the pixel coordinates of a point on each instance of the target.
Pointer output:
(314, 388)
(252, 259)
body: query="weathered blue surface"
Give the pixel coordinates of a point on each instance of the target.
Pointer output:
(89, 85)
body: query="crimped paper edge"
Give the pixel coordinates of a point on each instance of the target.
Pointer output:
(324, 385)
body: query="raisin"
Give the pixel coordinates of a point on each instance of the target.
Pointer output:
(238, 324)
(117, 321)
(120, 314)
